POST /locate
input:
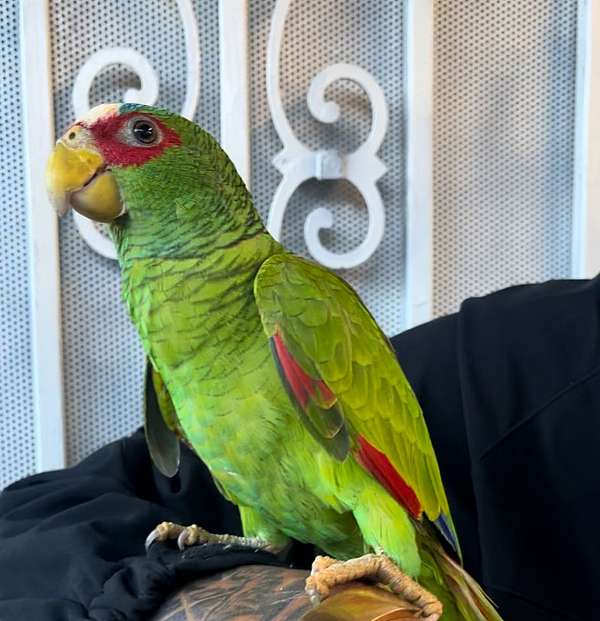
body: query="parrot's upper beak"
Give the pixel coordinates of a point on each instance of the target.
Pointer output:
(76, 176)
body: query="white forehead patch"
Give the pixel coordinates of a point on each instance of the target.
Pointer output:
(103, 110)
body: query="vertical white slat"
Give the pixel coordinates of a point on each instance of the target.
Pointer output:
(235, 102)
(419, 161)
(585, 249)
(38, 124)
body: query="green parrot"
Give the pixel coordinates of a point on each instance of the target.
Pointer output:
(267, 364)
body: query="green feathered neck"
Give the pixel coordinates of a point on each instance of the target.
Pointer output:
(188, 202)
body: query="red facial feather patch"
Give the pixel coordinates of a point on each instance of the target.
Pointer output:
(106, 132)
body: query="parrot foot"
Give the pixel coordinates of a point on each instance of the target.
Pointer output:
(196, 535)
(327, 573)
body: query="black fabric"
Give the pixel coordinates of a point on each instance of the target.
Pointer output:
(72, 541)
(510, 387)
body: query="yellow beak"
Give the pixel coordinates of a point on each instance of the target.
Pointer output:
(76, 177)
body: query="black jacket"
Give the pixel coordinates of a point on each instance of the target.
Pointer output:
(510, 388)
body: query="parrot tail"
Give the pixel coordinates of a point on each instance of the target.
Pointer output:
(469, 597)
(459, 593)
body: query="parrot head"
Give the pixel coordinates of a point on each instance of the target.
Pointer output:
(159, 179)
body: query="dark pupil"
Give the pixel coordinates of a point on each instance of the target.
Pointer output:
(144, 132)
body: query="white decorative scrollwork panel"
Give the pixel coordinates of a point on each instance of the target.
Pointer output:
(338, 123)
(169, 50)
(327, 138)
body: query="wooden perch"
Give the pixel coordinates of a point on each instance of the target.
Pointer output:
(263, 593)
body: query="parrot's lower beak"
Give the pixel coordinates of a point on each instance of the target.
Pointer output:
(78, 178)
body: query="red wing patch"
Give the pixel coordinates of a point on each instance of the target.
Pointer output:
(381, 468)
(302, 385)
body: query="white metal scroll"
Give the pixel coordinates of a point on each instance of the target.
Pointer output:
(297, 162)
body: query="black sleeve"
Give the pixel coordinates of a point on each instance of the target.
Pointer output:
(529, 363)
(428, 356)
(72, 541)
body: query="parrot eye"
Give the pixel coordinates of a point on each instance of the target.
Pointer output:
(144, 131)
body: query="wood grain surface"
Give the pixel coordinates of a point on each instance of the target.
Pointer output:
(265, 593)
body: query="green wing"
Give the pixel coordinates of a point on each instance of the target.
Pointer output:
(348, 369)
(161, 424)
